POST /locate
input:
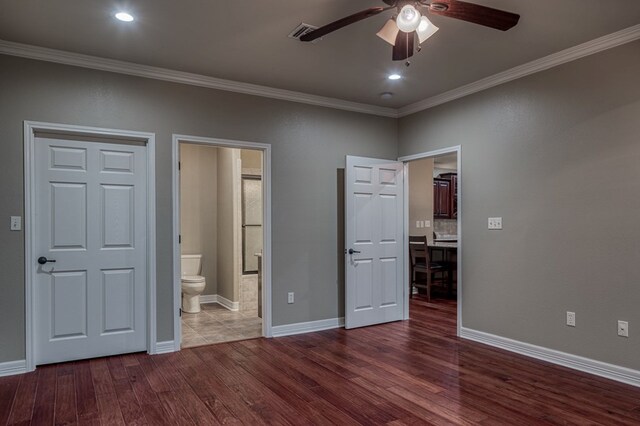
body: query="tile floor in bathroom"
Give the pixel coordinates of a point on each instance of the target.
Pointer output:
(216, 324)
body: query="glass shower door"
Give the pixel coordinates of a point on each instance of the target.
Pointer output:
(251, 223)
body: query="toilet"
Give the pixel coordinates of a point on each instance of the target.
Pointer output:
(192, 282)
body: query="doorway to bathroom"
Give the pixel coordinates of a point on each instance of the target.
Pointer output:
(221, 253)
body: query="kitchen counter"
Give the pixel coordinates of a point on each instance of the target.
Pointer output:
(441, 244)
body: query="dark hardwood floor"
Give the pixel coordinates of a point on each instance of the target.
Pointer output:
(414, 372)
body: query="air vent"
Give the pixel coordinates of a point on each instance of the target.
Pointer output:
(301, 30)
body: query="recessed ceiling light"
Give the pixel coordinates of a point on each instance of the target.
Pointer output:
(395, 77)
(124, 17)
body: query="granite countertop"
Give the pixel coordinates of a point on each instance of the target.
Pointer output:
(439, 244)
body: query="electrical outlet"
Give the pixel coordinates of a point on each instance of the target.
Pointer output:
(623, 329)
(571, 319)
(16, 223)
(495, 223)
(290, 297)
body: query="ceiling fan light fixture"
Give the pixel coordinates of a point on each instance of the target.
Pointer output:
(124, 17)
(426, 29)
(389, 32)
(408, 18)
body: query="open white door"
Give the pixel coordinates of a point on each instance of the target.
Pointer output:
(374, 241)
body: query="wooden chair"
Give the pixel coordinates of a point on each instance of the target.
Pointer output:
(421, 264)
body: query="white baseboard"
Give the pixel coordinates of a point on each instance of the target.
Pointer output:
(232, 306)
(208, 298)
(306, 327)
(13, 367)
(220, 300)
(587, 365)
(165, 347)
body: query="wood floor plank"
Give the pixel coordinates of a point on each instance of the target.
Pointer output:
(176, 412)
(25, 396)
(85, 391)
(102, 381)
(44, 405)
(109, 410)
(129, 406)
(141, 386)
(403, 373)
(8, 388)
(66, 408)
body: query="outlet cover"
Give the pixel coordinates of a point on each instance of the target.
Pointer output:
(290, 297)
(571, 319)
(16, 223)
(623, 329)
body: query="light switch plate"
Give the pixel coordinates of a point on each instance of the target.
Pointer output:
(427, 224)
(16, 223)
(495, 223)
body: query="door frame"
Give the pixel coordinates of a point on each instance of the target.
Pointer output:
(30, 130)
(266, 228)
(430, 154)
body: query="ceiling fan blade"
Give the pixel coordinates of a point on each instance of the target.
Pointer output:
(403, 48)
(481, 15)
(329, 28)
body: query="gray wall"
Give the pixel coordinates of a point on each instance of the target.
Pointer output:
(198, 208)
(309, 145)
(557, 155)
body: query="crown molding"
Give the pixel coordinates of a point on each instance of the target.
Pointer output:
(86, 61)
(571, 54)
(157, 73)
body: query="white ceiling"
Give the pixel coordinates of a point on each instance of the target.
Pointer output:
(247, 41)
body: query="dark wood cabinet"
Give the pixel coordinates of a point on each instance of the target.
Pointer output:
(441, 198)
(445, 196)
(454, 196)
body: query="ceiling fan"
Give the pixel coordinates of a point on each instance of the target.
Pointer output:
(401, 30)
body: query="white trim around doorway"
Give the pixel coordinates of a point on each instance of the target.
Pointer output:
(266, 249)
(30, 129)
(430, 154)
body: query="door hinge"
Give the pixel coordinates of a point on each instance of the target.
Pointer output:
(179, 165)
(180, 312)
(179, 239)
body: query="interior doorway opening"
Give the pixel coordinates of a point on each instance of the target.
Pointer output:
(219, 216)
(433, 232)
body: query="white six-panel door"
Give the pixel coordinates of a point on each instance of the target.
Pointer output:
(374, 233)
(90, 209)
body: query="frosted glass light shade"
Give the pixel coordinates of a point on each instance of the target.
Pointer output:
(408, 19)
(426, 29)
(389, 32)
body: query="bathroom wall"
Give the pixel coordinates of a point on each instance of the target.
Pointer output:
(251, 161)
(421, 196)
(228, 225)
(198, 207)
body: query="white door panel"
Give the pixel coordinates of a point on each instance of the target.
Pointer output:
(373, 227)
(90, 203)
